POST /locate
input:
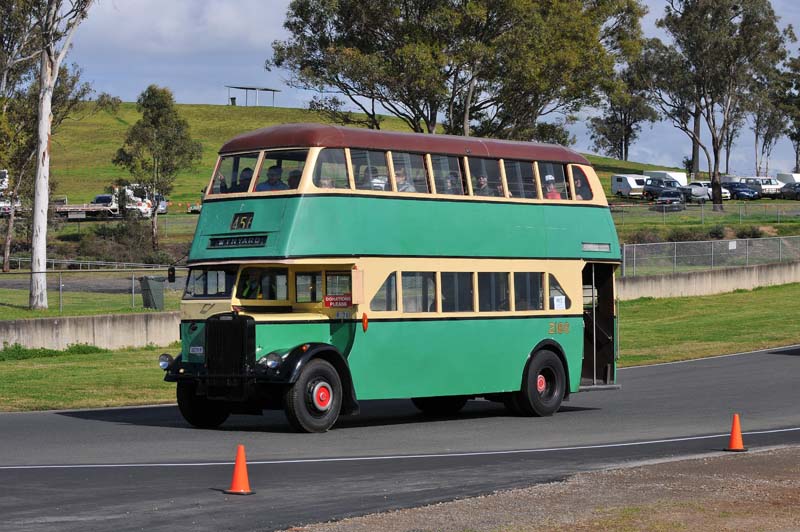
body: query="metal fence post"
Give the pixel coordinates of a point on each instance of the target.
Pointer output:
(624, 257)
(674, 256)
(740, 214)
(634, 259)
(780, 250)
(60, 293)
(703, 213)
(133, 291)
(712, 255)
(747, 252)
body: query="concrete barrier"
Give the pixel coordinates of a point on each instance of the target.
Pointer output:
(110, 331)
(707, 282)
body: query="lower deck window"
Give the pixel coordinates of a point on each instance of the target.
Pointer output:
(419, 292)
(528, 291)
(493, 291)
(386, 297)
(209, 283)
(457, 292)
(308, 286)
(269, 284)
(559, 300)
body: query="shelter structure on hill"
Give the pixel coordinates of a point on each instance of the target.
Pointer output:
(247, 89)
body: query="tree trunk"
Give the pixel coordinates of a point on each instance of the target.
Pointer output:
(696, 141)
(38, 293)
(12, 216)
(154, 228)
(468, 104)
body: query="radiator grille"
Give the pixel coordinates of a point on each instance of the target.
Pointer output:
(230, 345)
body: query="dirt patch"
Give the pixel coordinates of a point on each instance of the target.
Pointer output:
(768, 230)
(747, 491)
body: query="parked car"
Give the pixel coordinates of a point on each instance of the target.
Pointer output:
(160, 204)
(790, 191)
(700, 191)
(741, 191)
(768, 187)
(627, 184)
(654, 186)
(669, 200)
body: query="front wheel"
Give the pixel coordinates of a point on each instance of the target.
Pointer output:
(199, 410)
(313, 402)
(543, 386)
(440, 406)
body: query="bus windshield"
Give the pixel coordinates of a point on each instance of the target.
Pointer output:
(210, 283)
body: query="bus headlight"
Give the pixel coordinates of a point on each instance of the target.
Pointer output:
(165, 361)
(272, 360)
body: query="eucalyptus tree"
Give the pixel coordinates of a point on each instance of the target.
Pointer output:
(489, 67)
(718, 48)
(56, 23)
(625, 107)
(768, 118)
(157, 146)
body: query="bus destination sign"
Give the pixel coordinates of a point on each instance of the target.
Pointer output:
(237, 242)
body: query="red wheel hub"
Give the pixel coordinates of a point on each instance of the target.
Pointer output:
(322, 396)
(541, 383)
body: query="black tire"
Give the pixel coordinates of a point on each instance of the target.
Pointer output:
(198, 410)
(440, 406)
(313, 402)
(543, 386)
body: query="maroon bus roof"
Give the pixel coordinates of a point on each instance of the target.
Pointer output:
(315, 135)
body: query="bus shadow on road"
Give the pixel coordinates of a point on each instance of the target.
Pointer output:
(373, 414)
(791, 351)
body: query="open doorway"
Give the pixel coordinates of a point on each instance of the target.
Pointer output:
(599, 325)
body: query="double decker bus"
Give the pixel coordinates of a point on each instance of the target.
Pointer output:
(333, 265)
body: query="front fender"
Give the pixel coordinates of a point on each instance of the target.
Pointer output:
(299, 356)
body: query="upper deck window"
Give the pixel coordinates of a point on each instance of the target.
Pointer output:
(331, 169)
(409, 172)
(520, 179)
(370, 169)
(554, 181)
(485, 175)
(448, 174)
(281, 170)
(582, 189)
(234, 173)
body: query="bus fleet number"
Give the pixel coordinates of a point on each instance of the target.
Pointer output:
(559, 327)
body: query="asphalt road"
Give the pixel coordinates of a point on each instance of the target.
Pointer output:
(145, 469)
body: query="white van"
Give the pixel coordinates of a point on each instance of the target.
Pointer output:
(680, 177)
(627, 184)
(789, 178)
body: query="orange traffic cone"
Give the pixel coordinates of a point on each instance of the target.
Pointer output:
(240, 485)
(735, 443)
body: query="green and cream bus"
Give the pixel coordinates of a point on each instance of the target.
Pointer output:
(333, 265)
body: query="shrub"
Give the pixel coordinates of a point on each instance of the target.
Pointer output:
(643, 236)
(749, 232)
(682, 234)
(716, 232)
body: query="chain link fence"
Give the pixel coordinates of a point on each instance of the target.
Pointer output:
(674, 257)
(81, 292)
(705, 214)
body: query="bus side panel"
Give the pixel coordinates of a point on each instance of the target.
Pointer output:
(416, 358)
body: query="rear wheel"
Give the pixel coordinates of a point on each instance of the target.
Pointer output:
(440, 406)
(198, 410)
(313, 403)
(543, 386)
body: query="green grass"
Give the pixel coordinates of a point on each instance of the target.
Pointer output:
(87, 380)
(666, 330)
(14, 303)
(651, 331)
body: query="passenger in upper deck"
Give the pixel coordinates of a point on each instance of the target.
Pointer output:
(403, 183)
(550, 188)
(240, 185)
(582, 190)
(273, 181)
(483, 187)
(294, 178)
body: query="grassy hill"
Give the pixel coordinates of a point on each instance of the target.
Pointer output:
(83, 149)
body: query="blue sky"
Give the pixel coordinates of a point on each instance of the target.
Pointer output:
(196, 47)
